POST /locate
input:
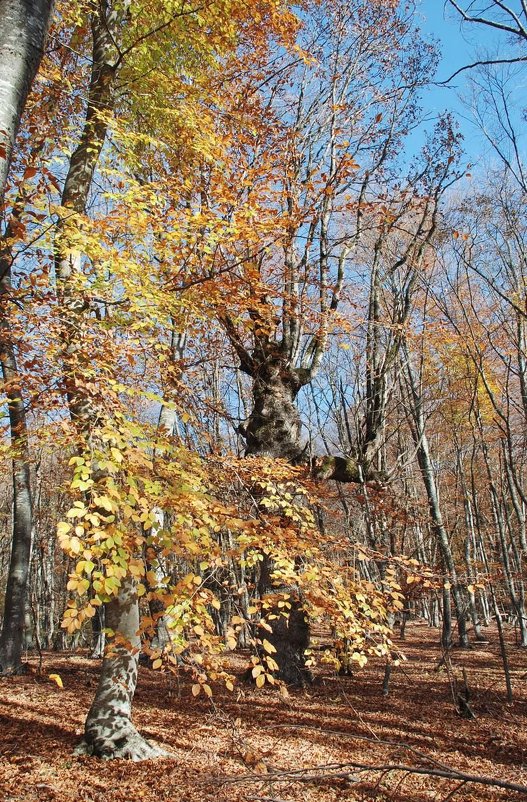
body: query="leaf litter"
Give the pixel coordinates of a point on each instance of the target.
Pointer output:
(254, 745)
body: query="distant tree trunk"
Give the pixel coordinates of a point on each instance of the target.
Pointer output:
(514, 586)
(16, 597)
(427, 473)
(23, 30)
(98, 634)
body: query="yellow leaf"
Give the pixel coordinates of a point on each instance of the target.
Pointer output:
(157, 663)
(56, 678)
(208, 690)
(105, 502)
(260, 680)
(269, 648)
(63, 528)
(196, 690)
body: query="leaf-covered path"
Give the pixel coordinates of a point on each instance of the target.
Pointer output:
(253, 745)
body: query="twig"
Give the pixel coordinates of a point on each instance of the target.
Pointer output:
(266, 799)
(345, 771)
(454, 791)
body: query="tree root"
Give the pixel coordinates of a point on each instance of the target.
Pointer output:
(124, 743)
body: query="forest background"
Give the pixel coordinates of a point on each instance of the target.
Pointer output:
(262, 339)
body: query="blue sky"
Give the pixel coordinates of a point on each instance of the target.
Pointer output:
(460, 44)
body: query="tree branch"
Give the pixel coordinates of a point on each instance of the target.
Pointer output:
(484, 63)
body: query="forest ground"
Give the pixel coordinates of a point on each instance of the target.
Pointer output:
(246, 744)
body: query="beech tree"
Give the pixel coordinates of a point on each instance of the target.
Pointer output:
(23, 29)
(230, 206)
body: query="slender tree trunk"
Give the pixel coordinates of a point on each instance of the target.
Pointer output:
(469, 555)
(109, 732)
(515, 589)
(23, 30)
(427, 473)
(16, 598)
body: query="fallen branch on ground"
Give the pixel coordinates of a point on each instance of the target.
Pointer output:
(346, 771)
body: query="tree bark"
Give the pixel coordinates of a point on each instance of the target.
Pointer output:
(16, 598)
(23, 30)
(108, 731)
(11, 639)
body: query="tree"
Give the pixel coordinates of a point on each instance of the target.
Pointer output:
(95, 409)
(23, 29)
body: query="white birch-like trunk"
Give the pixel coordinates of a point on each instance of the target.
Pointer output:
(23, 29)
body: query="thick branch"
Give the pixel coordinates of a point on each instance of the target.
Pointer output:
(342, 469)
(246, 360)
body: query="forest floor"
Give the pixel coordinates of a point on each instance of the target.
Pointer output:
(252, 745)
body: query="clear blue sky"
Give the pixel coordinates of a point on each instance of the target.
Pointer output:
(461, 44)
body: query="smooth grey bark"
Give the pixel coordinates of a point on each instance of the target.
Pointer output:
(109, 732)
(11, 638)
(98, 634)
(23, 30)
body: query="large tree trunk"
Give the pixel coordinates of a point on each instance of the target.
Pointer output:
(108, 731)
(23, 29)
(273, 429)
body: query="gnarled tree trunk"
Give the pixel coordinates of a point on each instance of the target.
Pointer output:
(273, 429)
